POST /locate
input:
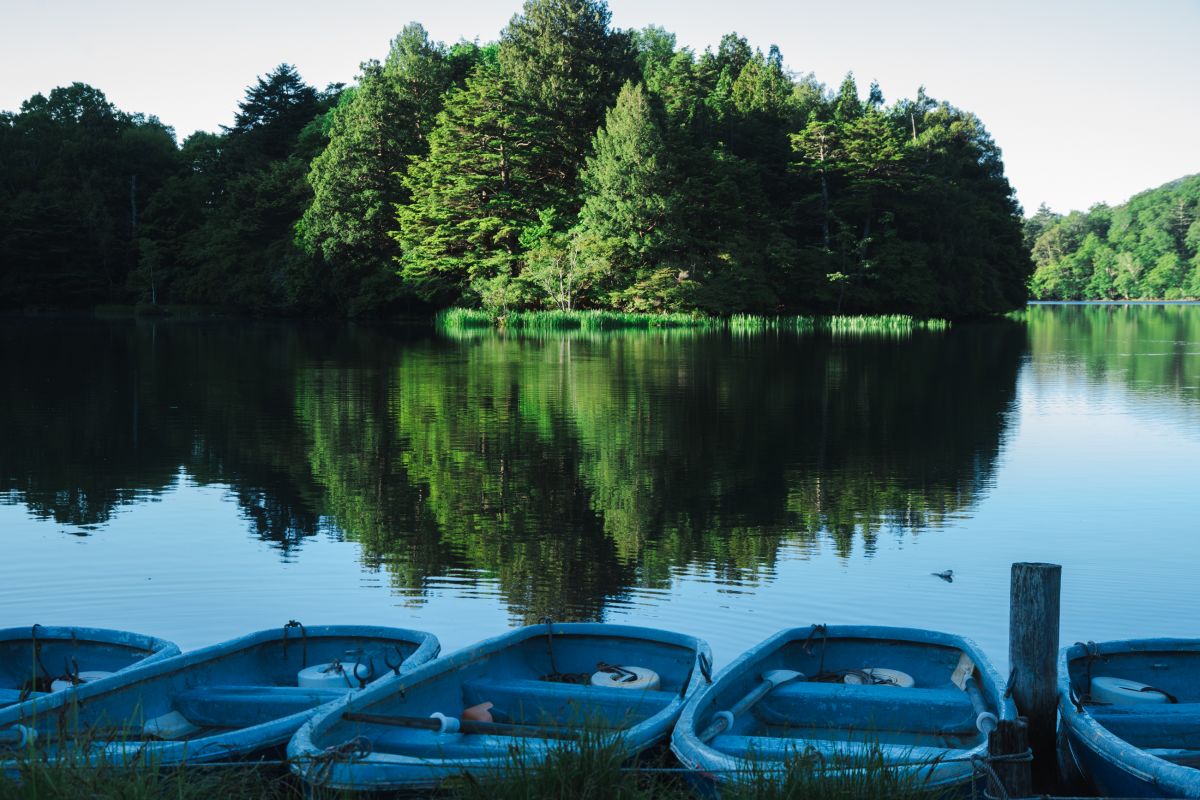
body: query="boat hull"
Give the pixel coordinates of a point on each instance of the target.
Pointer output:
(927, 729)
(1118, 748)
(531, 715)
(227, 701)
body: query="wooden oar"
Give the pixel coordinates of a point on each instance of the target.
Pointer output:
(453, 725)
(964, 678)
(723, 720)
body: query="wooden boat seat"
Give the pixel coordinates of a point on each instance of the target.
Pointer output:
(810, 704)
(781, 747)
(524, 700)
(243, 706)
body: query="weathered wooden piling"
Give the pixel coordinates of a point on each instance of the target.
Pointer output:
(1010, 740)
(1033, 656)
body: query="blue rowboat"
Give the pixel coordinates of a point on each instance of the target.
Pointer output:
(224, 701)
(845, 694)
(526, 692)
(41, 659)
(1131, 716)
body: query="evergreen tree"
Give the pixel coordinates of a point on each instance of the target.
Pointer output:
(478, 189)
(565, 60)
(272, 114)
(374, 133)
(632, 204)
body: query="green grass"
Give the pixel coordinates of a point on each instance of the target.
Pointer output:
(470, 321)
(593, 769)
(592, 766)
(40, 780)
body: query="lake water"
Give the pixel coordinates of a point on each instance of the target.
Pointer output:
(202, 479)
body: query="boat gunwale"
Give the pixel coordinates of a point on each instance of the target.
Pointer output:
(154, 647)
(1163, 775)
(687, 747)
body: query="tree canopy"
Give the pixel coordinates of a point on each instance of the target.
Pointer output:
(569, 164)
(1148, 248)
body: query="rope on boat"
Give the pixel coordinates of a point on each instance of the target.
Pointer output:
(291, 623)
(316, 769)
(705, 671)
(824, 633)
(981, 765)
(46, 683)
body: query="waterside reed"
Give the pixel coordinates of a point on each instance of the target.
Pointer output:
(469, 320)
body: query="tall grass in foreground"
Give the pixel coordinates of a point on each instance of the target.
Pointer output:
(460, 321)
(594, 768)
(591, 767)
(41, 780)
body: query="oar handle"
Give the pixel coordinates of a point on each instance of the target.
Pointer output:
(985, 720)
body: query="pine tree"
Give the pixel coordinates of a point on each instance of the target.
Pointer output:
(565, 60)
(478, 189)
(374, 133)
(631, 203)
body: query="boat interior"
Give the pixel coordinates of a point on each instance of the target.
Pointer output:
(524, 694)
(191, 698)
(1161, 713)
(30, 667)
(849, 704)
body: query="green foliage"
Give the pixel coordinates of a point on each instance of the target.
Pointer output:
(375, 132)
(564, 59)
(475, 193)
(75, 177)
(568, 165)
(631, 214)
(1148, 248)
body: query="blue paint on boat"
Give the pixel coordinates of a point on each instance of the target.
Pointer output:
(532, 713)
(1134, 749)
(33, 658)
(929, 728)
(229, 700)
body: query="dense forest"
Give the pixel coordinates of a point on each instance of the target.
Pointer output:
(1148, 248)
(567, 165)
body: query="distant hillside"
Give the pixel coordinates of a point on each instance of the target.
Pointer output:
(1148, 248)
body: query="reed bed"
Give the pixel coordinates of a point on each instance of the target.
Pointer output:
(468, 321)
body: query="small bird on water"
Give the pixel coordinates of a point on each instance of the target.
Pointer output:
(947, 576)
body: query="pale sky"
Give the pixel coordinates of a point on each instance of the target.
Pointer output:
(1090, 100)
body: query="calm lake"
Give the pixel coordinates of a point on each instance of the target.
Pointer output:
(202, 479)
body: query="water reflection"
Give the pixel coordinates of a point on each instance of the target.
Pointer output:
(568, 473)
(1151, 349)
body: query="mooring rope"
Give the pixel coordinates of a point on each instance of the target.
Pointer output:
(303, 639)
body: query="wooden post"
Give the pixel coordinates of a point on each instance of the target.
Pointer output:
(1010, 738)
(1033, 655)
